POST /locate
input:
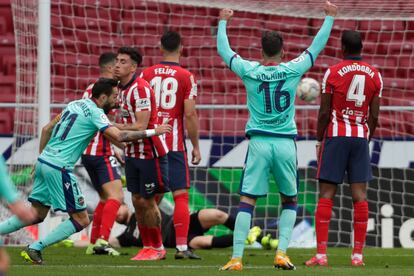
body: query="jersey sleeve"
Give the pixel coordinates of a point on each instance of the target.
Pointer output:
(306, 60)
(100, 120)
(326, 83)
(7, 189)
(190, 88)
(142, 98)
(232, 60)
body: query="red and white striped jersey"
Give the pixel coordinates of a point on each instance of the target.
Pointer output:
(99, 145)
(137, 96)
(353, 84)
(172, 85)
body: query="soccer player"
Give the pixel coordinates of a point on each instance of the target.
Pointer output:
(61, 144)
(348, 116)
(200, 223)
(270, 88)
(145, 160)
(103, 168)
(16, 206)
(176, 90)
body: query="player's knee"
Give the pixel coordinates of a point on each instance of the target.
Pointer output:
(220, 216)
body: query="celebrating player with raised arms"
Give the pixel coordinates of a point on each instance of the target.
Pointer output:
(348, 116)
(62, 142)
(145, 160)
(176, 90)
(271, 127)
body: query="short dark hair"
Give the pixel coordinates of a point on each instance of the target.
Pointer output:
(133, 53)
(103, 86)
(170, 41)
(352, 42)
(106, 58)
(272, 43)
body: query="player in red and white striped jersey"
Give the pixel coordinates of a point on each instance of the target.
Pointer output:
(145, 160)
(176, 90)
(101, 164)
(348, 116)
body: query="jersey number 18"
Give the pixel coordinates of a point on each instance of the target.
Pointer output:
(165, 91)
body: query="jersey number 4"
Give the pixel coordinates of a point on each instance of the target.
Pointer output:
(165, 91)
(281, 98)
(356, 90)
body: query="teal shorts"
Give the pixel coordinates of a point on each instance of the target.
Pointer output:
(267, 155)
(56, 187)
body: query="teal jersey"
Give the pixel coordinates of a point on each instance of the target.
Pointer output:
(78, 124)
(7, 189)
(271, 90)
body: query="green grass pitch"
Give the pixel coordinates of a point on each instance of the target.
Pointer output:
(73, 261)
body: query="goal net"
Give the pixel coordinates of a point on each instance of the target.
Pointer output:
(83, 29)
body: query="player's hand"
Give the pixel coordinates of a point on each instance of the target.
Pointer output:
(119, 157)
(162, 129)
(196, 156)
(330, 9)
(23, 211)
(226, 14)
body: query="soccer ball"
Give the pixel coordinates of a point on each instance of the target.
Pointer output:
(308, 89)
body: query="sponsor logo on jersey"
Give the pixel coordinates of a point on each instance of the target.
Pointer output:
(67, 185)
(299, 59)
(142, 103)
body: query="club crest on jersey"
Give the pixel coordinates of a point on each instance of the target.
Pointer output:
(299, 59)
(104, 119)
(142, 103)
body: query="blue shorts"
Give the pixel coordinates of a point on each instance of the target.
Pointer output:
(178, 171)
(101, 169)
(146, 177)
(56, 187)
(265, 155)
(344, 154)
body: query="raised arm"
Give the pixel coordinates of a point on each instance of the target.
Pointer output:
(307, 58)
(231, 58)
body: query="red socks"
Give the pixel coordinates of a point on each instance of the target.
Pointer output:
(96, 223)
(143, 233)
(181, 219)
(322, 219)
(110, 211)
(360, 225)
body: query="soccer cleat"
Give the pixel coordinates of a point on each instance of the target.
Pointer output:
(355, 261)
(102, 247)
(89, 249)
(65, 243)
(150, 254)
(32, 256)
(314, 261)
(235, 264)
(187, 254)
(282, 261)
(254, 233)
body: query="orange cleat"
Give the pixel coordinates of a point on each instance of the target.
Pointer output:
(235, 264)
(314, 261)
(282, 261)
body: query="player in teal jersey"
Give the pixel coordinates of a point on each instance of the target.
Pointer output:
(16, 206)
(61, 144)
(271, 87)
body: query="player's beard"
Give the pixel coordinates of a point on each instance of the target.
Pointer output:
(107, 108)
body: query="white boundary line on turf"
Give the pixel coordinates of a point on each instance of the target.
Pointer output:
(145, 266)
